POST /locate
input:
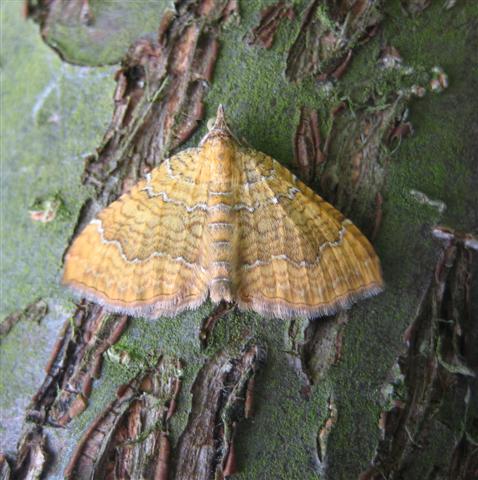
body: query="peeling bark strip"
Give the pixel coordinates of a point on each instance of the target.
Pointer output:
(378, 215)
(330, 30)
(73, 399)
(5, 470)
(325, 430)
(440, 366)
(129, 439)
(35, 312)
(210, 321)
(32, 455)
(307, 145)
(322, 346)
(271, 17)
(206, 449)
(74, 362)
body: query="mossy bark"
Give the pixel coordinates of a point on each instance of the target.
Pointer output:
(384, 390)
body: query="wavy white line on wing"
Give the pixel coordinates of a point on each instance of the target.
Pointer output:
(133, 261)
(303, 263)
(251, 208)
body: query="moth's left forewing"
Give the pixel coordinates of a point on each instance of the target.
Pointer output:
(144, 253)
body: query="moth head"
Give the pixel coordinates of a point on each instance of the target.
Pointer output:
(218, 128)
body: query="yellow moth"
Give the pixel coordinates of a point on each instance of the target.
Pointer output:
(225, 221)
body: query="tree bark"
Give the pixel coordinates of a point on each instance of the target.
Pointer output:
(370, 103)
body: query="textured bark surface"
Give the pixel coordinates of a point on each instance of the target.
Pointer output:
(353, 96)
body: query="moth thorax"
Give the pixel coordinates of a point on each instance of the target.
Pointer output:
(219, 154)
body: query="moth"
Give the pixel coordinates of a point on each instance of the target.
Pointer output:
(227, 222)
